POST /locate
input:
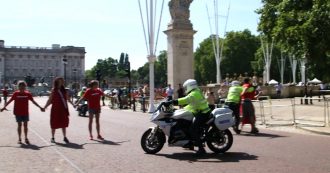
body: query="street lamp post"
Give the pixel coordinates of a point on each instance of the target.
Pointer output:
(0, 79)
(128, 70)
(74, 78)
(151, 42)
(65, 62)
(51, 76)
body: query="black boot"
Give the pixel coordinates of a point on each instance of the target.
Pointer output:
(254, 130)
(237, 131)
(201, 151)
(189, 146)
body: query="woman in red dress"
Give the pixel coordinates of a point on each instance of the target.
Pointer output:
(59, 116)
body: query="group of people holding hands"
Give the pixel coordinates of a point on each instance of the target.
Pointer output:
(59, 114)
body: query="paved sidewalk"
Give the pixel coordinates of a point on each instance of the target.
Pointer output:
(291, 114)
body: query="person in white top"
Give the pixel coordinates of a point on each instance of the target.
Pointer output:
(169, 92)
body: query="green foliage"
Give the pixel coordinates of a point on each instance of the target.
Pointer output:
(121, 64)
(160, 71)
(238, 53)
(301, 28)
(205, 66)
(89, 74)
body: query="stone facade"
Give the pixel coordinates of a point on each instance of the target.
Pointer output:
(16, 62)
(180, 44)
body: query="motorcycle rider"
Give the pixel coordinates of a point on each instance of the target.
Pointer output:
(233, 101)
(196, 104)
(80, 94)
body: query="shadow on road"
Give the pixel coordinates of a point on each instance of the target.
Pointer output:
(71, 145)
(108, 142)
(209, 157)
(25, 146)
(33, 147)
(266, 135)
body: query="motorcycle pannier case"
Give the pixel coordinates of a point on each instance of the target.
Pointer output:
(223, 118)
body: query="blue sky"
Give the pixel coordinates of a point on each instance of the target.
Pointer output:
(108, 27)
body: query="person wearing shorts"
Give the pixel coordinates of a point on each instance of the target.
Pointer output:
(93, 96)
(21, 109)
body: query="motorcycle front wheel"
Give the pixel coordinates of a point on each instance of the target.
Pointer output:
(219, 141)
(152, 143)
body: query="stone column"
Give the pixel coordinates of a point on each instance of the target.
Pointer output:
(180, 36)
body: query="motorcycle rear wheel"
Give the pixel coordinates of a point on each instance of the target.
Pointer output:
(152, 144)
(219, 141)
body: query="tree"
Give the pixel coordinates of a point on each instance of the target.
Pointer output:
(107, 68)
(160, 71)
(239, 52)
(301, 28)
(121, 64)
(205, 69)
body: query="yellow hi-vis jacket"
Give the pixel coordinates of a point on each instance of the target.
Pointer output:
(195, 101)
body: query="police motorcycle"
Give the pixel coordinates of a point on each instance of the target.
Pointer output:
(82, 105)
(174, 125)
(82, 108)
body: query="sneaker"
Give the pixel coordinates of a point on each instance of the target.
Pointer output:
(27, 141)
(100, 137)
(19, 141)
(52, 140)
(66, 140)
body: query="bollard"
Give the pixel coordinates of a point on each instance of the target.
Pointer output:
(311, 100)
(134, 108)
(306, 100)
(143, 104)
(311, 97)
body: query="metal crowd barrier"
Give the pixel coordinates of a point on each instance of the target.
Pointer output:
(306, 118)
(327, 99)
(272, 113)
(142, 103)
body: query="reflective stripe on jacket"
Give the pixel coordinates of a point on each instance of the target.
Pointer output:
(234, 94)
(195, 102)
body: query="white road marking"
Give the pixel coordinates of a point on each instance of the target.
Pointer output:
(58, 152)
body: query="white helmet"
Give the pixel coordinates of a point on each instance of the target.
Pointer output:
(189, 85)
(235, 83)
(84, 88)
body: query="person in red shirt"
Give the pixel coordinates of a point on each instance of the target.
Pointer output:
(21, 109)
(248, 94)
(93, 96)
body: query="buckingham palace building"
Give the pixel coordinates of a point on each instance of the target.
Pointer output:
(41, 63)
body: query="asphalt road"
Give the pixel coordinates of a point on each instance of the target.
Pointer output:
(270, 151)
